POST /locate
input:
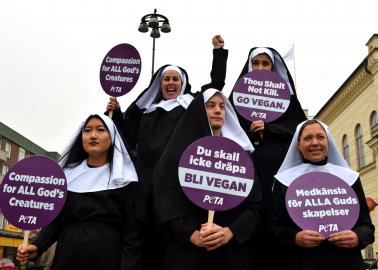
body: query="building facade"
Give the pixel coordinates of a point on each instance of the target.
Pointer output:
(14, 147)
(352, 116)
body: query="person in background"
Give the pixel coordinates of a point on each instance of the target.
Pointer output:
(314, 150)
(47, 257)
(148, 124)
(271, 142)
(95, 228)
(189, 243)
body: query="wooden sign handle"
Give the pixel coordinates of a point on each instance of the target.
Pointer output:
(26, 239)
(210, 218)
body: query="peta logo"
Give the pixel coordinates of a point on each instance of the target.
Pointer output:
(328, 228)
(213, 199)
(27, 219)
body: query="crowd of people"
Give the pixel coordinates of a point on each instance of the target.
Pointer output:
(125, 208)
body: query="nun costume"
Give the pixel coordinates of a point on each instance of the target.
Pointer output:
(325, 256)
(271, 150)
(150, 120)
(95, 228)
(148, 124)
(179, 218)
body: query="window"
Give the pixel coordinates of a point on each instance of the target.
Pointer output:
(4, 170)
(346, 149)
(373, 122)
(21, 154)
(369, 254)
(360, 146)
(3, 222)
(8, 148)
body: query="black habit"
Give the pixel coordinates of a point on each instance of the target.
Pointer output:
(326, 256)
(179, 217)
(90, 224)
(268, 156)
(147, 134)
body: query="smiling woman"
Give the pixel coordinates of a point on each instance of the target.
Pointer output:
(171, 82)
(148, 124)
(313, 142)
(313, 150)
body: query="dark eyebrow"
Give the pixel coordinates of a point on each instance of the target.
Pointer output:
(98, 126)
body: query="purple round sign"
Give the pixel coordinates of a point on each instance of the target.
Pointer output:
(120, 70)
(261, 95)
(33, 192)
(322, 202)
(216, 173)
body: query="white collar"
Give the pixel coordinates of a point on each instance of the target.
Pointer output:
(288, 176)
(123, 170)
(293, 162)
(168, 105)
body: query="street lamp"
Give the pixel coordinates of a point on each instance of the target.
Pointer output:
(154, 21)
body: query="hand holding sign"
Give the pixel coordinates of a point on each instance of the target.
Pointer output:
(216, 174)
(322, 202)
(120, 70)
(33, 192)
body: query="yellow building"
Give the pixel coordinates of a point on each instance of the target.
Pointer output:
(352, 115)
(13, 148)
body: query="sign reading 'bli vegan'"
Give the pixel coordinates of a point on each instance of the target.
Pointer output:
(216, 173)
(33, 192)
(322, 202)
(120, 70)
(261, 95)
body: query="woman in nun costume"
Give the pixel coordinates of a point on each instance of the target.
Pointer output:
(271, 142)
(180, 220)
(148, 123)
(314, 150)
(96, 226)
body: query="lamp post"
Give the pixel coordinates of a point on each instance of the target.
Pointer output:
(154, 21)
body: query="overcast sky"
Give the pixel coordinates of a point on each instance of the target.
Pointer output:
(51, 51)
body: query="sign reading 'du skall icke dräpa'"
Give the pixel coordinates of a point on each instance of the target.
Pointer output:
(261, 95)
(216, 173)
(120, 70)
(33, 192)
(322, 202)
